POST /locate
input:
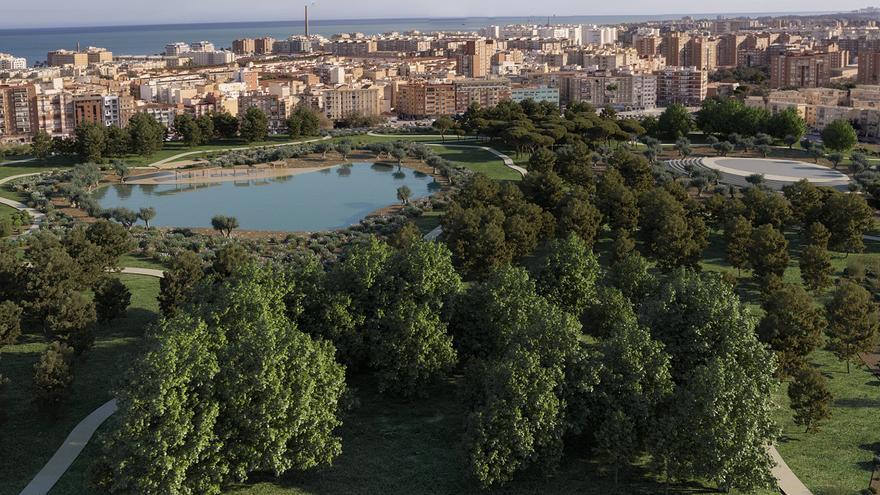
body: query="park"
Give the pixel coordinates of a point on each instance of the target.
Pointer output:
(607, 224)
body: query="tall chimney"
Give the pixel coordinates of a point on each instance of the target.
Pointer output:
(307, 20)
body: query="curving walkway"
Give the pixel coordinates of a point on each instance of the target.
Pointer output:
(37, 217)
(158, 164)
(508, 162)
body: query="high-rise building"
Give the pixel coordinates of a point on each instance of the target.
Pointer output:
(244, 46)
(176, 49)
(803, 69)
(353, 48)
(647, 46)
(623, 91)
(598, 35)
(202, 46)
(474, 61)
(673, 47)
(729, 46)
(60, 58)
(701, 52)
(684, 85)
(263, 46)
(869, 67)
(18, 115)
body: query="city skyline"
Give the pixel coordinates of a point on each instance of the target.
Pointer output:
(85, 13)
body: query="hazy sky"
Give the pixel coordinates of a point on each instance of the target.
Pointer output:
(33, 13)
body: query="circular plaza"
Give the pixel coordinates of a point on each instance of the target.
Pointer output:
(777, 172)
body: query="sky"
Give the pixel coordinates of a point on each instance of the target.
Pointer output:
(52, 13)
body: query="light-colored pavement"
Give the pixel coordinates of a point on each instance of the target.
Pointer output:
(70, 449)
(147, 272)
(788, 482)
(158, 164)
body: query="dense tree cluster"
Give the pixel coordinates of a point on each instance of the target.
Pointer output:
(93, 142)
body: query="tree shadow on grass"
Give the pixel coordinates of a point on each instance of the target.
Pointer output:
(857, 403)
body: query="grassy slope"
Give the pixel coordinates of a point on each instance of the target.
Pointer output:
(30, 436)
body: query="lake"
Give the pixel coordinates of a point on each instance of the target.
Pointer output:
(322, 200)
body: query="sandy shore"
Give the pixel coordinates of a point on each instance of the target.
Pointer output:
(217, 174)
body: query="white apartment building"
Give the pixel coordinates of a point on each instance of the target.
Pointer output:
(176, 49)
(202, 46)
(598, 35)
(204, 58)
(537, 94)
(9, 62)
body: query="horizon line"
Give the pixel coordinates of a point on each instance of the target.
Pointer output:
(443, 18)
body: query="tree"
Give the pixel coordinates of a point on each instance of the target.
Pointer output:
(41, 145)
(443, 124)
(852, 321)
(229, 259)
(669, 234)
(769, 251)
(810, 398)
(683, 146)
(226, 125)
(124, 216)
(407, 234)
(224, 224)
(617, 202)
(806, 201)
(254, 125)
(272, 405)
(303, 122)
(344, 149)
(632, 276)
(567, 277)
(835, 158)
(53, 375)
(413, 349)
(178, 282)
(398, 154)
(188, 129)
(815, 265)
(847, 217)
(719, 419)
(635, 170)
(146, 214)
(723, 148)
(403, 194)
(576, 214)
(112, 298)
(738, 239)
(792, 326)
(839, 135)
(122, 169)
(675, 122)
(10, 323)
(70, 320)
(147, 134)
(787, 125)
(90, 141)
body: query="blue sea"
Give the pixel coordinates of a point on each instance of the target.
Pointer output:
(33, 44)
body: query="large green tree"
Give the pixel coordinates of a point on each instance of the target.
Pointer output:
(852, 321)
(254, 125)
(839, 135)
(567, 277)
(792, 326)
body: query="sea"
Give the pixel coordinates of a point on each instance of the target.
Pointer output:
(34, 44)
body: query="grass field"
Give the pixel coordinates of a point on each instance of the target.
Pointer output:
(30, 434)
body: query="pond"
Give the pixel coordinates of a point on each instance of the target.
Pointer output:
(314, 201)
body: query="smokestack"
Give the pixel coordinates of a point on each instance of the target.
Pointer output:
(307, 20)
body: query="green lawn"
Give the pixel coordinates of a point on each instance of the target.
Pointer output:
(31, 435)
(429, 221)
(138, 261)
(478, 160)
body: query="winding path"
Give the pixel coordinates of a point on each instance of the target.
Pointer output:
(37, 217)
(158, 164)
(508, 162)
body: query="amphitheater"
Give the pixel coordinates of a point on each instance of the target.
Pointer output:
(777, 172)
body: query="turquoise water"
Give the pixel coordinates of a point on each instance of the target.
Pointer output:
(326, 199)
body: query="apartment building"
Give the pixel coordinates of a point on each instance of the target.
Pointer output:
(684, 85)
(244, 46)
(55, 112)
(423, 99)
(263, 46)
(345, 101)
(103, 109)
(60, 58)
(353, 48)
(277, 107)
(176, 49)
(673, 47)
(475, 59)
(486, 93)
(623, 91)
(805, 69)
(537, 94)
(207, 58)
(701, 52)
(598, 35)
(9, 62)
(18, 117)
(406, 45)
(647, 45)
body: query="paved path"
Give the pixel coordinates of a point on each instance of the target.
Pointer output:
(508, 162)
(788, 482)
(70, 449)
(164, 161)
(147, 272)
(37, 217)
